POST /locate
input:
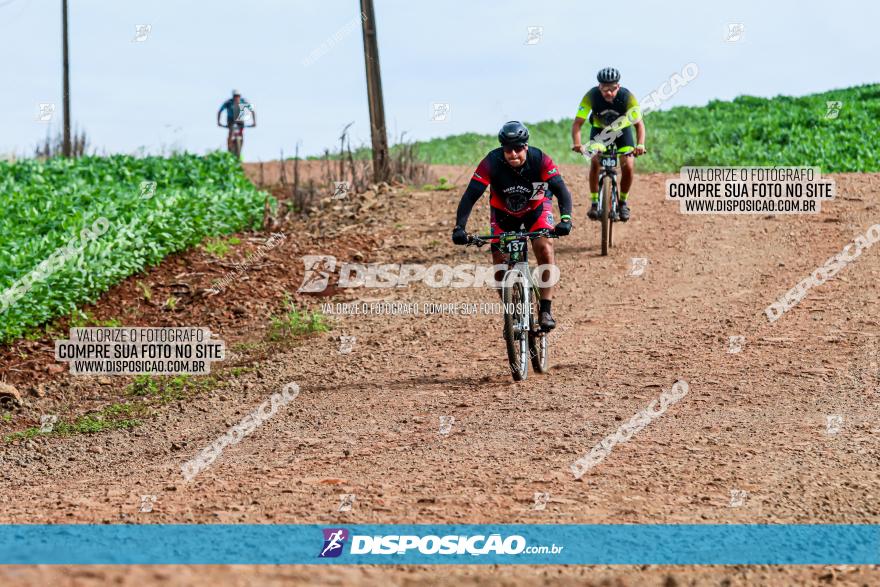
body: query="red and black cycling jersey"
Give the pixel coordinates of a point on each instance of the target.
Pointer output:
(515, 190)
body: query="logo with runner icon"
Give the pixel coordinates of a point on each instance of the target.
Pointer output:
(334, 539)
(539, 190)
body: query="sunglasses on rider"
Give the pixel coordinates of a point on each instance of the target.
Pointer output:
(516, 149)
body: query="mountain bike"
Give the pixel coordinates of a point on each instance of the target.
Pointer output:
(237, 138)
(608, 197)
(523, 334)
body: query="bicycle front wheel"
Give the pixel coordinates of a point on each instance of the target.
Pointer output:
(605, 196)
(516, 329)
(613, 214)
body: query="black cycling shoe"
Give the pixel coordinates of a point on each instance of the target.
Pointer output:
(623, 211)
(593, 212)
(546, 321)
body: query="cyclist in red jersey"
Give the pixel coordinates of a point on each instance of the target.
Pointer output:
(521, 182)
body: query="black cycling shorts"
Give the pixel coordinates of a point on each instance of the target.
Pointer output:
(625, 141)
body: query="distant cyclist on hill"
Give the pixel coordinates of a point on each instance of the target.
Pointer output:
(602, 106)
(238, 111)
(519, 178)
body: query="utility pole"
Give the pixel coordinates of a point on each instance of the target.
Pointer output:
(381, 161)
(66, 148)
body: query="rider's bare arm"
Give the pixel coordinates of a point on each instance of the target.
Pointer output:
(640, 132)
(576, 133)
(473, 193)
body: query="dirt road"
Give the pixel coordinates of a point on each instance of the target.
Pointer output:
(781, 426)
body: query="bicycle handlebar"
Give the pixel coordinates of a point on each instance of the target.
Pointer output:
(480, 240)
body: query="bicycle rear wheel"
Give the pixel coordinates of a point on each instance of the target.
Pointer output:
(516, 324)
(605, 196)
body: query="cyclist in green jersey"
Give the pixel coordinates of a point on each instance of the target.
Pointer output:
(612, 111)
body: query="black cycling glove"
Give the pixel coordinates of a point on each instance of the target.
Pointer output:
(564, 227)
(459, 236)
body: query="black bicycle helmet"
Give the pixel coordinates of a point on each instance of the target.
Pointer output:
(609, 75)
(513, 134)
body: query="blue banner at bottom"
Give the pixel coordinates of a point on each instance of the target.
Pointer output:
(524, 544)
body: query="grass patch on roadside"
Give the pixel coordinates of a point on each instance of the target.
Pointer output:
(81, 319)
(442, 185)
(142, 391)
(219, 247)
(118, 416)
(244, 347)
(293, 321)
(169, 388)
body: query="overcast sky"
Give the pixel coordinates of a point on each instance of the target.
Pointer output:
(474, 55)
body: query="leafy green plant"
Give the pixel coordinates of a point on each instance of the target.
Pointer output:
(46, 205)
(80, 319)
(143, 385)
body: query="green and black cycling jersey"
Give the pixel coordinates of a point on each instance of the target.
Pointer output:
(601, 113)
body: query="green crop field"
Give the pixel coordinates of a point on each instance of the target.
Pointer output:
(746, 131)
(45, 206)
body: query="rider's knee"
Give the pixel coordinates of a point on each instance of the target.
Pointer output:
(542, 247)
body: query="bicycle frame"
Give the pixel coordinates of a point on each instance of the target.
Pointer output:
(608, 168)
(516, 248)
(514, 245)
(236, 132)
(524, 336)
